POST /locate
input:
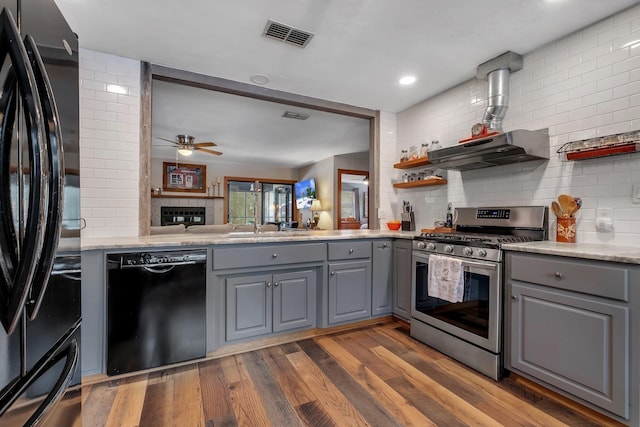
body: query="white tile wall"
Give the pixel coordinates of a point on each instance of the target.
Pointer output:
(109, 145)
(584, 85)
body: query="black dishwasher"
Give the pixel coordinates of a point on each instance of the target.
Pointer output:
(156, 309)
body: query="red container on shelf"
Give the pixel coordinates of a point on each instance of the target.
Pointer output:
(603, 151)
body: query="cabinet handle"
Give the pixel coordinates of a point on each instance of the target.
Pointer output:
(514, 297)
(350, 251)
(384, 245)
(558, 275)
(275, 255)
(333, 273)
(268, 284)
(276, 284)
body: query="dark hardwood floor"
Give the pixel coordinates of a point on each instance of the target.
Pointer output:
(376, 376)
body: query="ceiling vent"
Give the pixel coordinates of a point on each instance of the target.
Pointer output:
(285, 33)
(297, 116)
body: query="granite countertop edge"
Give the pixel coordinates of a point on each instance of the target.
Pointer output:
(594, 251)
(205, 239)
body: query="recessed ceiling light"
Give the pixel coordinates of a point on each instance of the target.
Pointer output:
(407, 80)
(260, 79)
(116, 89)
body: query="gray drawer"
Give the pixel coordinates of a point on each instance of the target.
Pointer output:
(251, 255)
(349, 250)
(589, 277)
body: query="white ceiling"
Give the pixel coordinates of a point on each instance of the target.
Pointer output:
(359, 51)
(250, 130)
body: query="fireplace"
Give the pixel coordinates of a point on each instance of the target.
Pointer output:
(187, 215)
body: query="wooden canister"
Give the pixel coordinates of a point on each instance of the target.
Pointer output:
(566, 230)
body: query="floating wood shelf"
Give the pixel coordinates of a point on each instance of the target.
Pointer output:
(420, 183)
(412, 163)
(166, 196)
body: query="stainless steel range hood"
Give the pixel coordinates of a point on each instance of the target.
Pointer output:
(495, 150)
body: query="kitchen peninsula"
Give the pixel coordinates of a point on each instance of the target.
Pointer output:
(257, 285)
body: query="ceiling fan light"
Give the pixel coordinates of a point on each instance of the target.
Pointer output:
(185, 151)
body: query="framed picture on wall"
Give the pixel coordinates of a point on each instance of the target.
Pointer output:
(184, 177)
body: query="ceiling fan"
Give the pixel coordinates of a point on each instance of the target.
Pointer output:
(187, 145)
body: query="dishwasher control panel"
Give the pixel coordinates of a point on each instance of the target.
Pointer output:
(148, 259)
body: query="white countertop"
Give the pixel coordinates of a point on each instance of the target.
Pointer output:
(196, 239)
(602, 252)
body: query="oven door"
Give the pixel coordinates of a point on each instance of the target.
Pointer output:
(477, 318)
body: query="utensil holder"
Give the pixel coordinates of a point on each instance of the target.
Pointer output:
(566, 230)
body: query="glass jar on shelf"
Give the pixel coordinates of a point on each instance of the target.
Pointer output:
(435, 145)
(404, 156)
(424, 151)
(413, 152)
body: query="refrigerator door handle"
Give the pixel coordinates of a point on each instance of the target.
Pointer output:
(55, 183)
(59, 351)
(17, 271)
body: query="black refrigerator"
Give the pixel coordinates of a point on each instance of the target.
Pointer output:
(40, 222)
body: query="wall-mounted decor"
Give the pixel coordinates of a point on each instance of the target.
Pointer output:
(184, 177)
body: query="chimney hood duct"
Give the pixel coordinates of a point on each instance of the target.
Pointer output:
(497, 71)
(495, 150)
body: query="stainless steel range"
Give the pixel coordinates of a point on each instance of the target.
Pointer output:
(457, 286)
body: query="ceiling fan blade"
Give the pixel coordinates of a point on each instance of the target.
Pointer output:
(205, 144)
(170, 140)
(217, 153)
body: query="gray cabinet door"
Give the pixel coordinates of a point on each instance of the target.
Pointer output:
(349, 291)
(248, 306)
(294, 300)
(402, 278)
(577, 343)
(382, 272)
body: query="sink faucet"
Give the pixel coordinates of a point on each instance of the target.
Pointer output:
(256, 188)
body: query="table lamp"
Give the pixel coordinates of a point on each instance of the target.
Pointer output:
(315, 207)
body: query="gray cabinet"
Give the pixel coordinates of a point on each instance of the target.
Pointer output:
(402, 278)
(93, 331)
(569, 327)
(258, 304)
(349, 291)
(349, 281)
(382, 278)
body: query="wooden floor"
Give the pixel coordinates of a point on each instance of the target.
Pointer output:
(376, 376)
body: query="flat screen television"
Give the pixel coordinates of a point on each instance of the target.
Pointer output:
(305, 193)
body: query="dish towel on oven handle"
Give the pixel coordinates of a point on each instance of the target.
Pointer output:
(446, 278)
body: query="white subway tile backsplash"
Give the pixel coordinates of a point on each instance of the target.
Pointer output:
(598, 74)
(612, 82)
(596, 98)
(632, 63)
(626, 114)
(109, 202)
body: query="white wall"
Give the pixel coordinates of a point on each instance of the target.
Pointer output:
(323, 172)
(582, 86)
(109, 145)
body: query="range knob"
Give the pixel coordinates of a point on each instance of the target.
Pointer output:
(482, 253)
(431, 246)
(448, 249)
(467, 251)
(422, 245)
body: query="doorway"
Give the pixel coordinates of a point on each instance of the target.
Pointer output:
(353, 200)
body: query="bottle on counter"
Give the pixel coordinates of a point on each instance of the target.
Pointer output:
(449, 221)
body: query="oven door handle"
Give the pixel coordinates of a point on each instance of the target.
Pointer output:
(486, 265)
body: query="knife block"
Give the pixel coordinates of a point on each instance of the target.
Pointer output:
(408, 221)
